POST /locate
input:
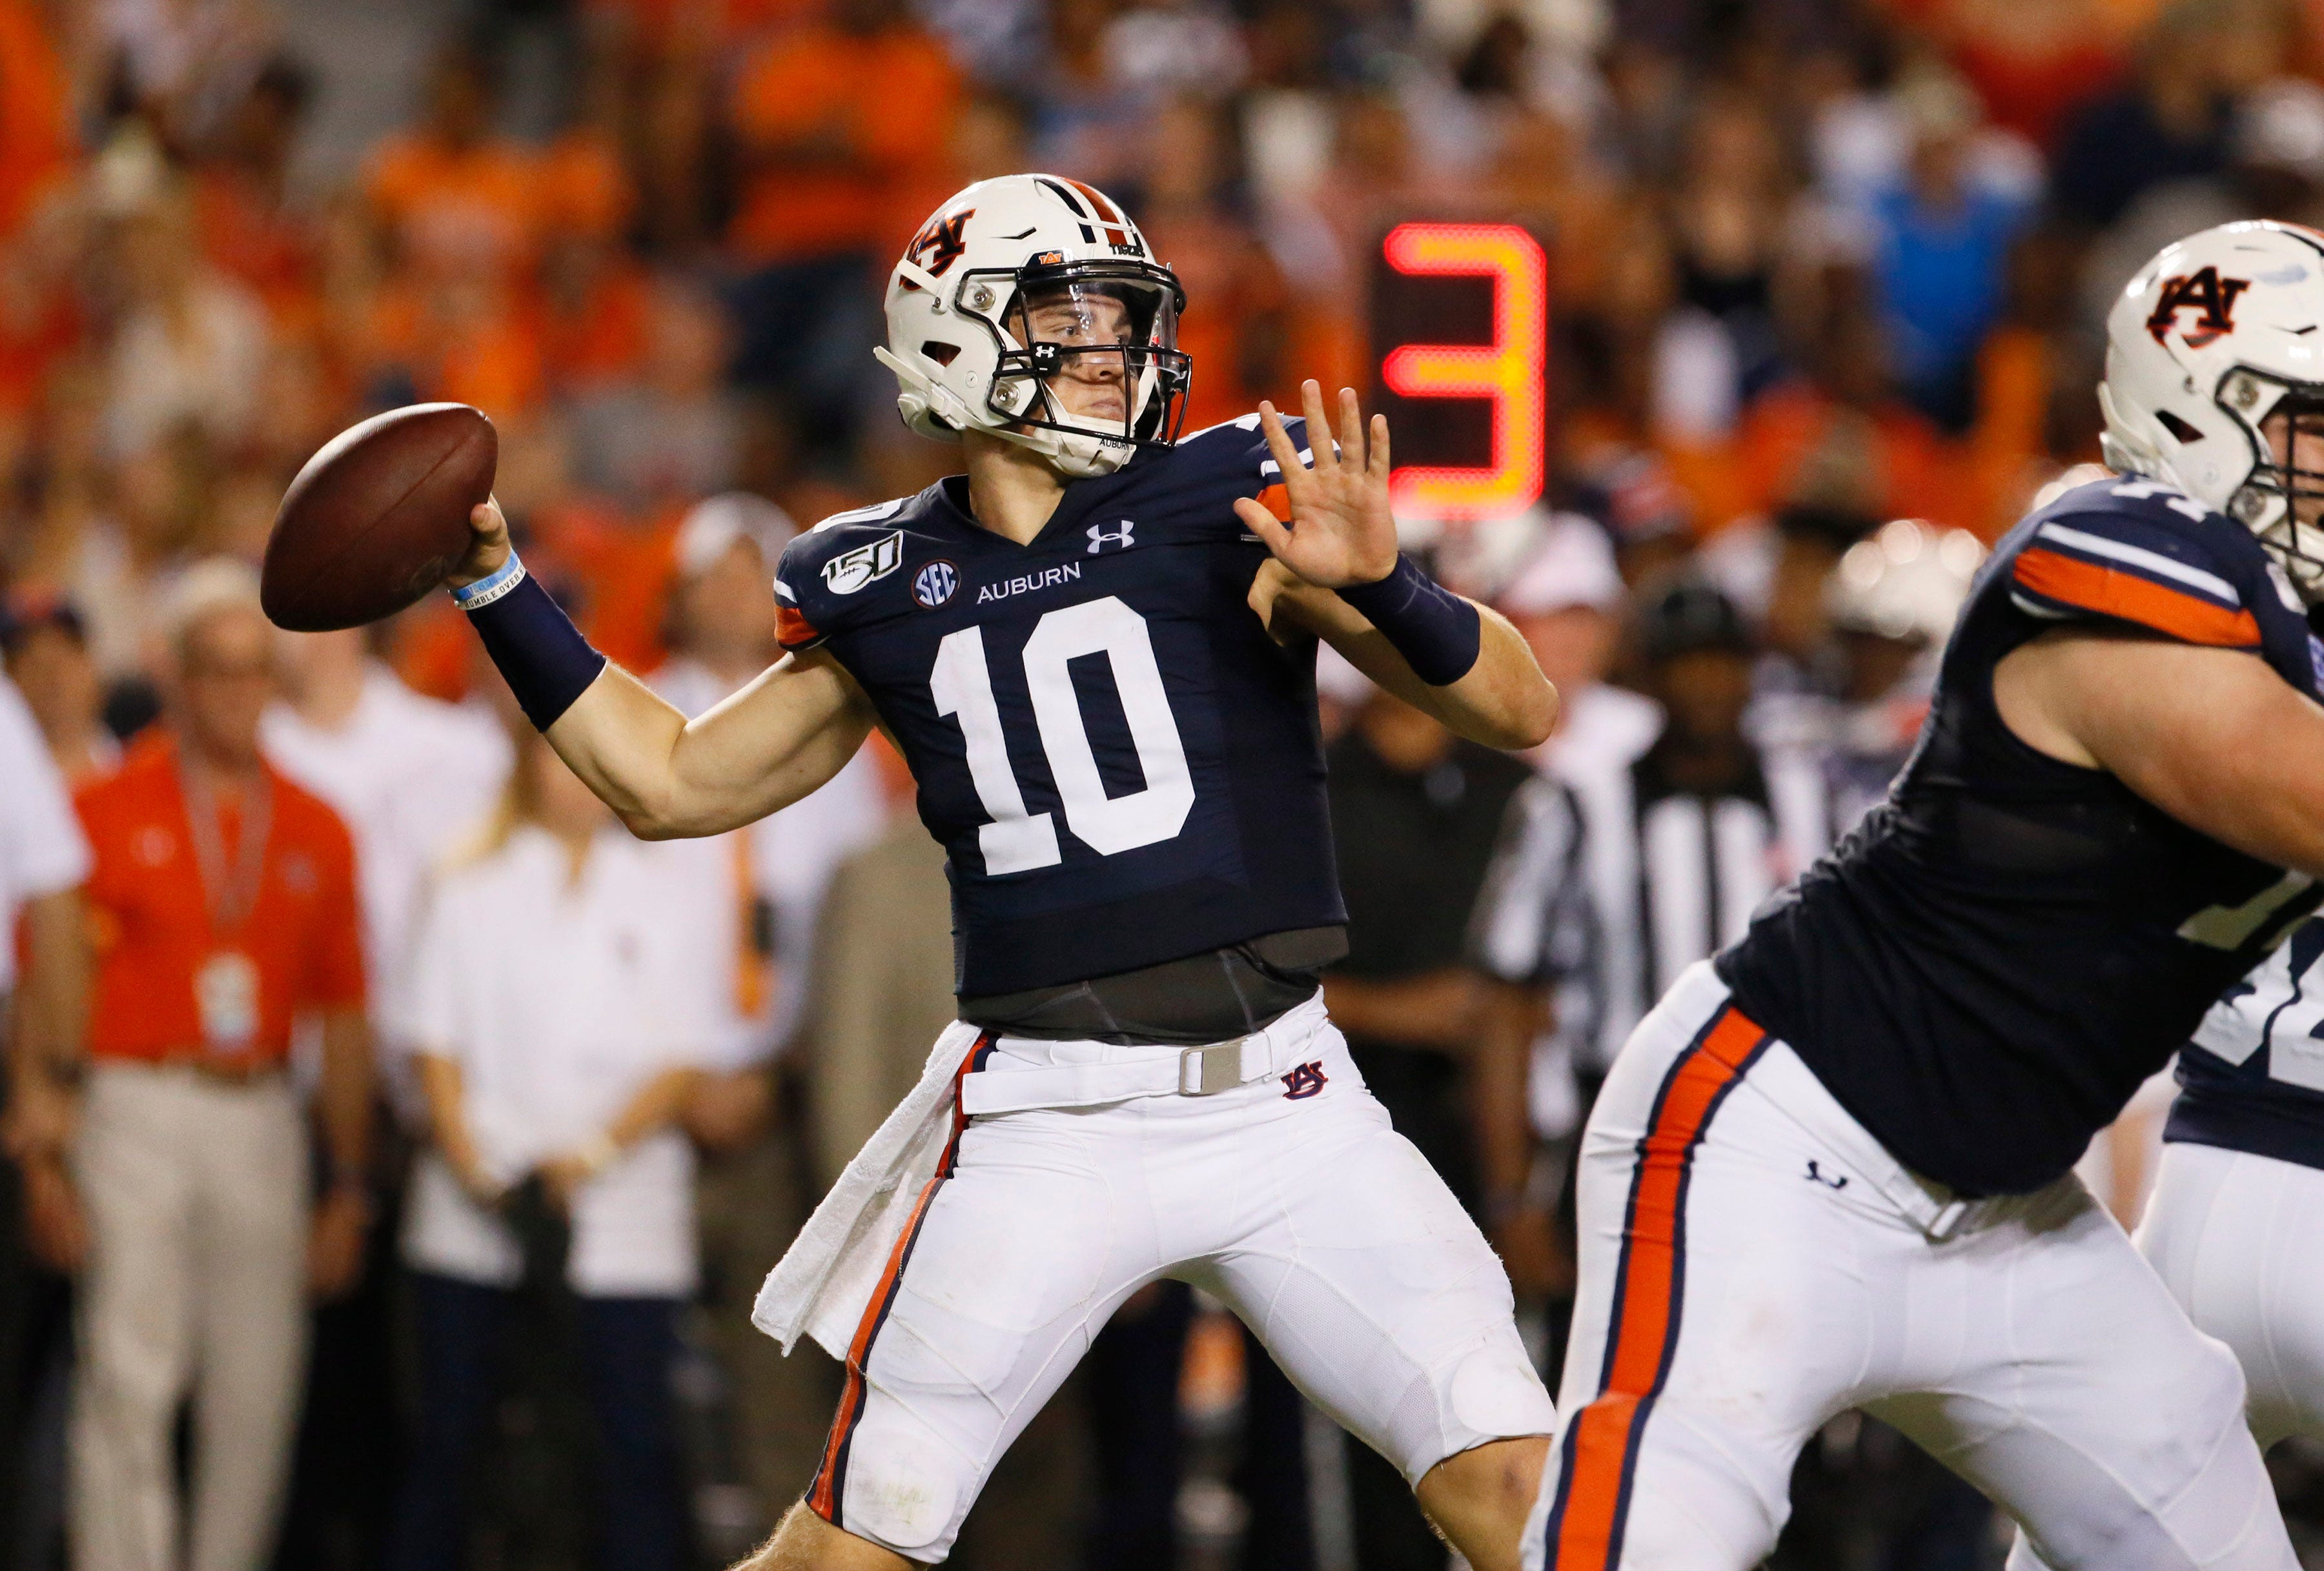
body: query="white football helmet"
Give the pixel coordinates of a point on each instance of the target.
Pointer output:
(968, 353)
(2221, 330)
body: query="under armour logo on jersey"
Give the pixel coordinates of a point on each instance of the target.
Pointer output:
(1099, 538)
(2202, 291)
(1815, 1175)
(1304, 1081)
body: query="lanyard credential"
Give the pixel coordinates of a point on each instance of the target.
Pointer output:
(226, 985)
(228, 896)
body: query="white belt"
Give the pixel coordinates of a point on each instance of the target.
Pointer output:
(1154, 1071)
(1783, 1080)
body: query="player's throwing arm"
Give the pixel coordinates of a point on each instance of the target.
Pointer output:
(764, 748)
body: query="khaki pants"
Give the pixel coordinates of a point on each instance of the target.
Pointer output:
(197, 1195)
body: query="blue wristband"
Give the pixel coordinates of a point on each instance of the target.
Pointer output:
(490, 588)
(1436, 631)
(547, 662)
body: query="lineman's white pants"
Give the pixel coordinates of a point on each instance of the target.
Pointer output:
(2239, 1241)
(1753, 1263)
(2235, 1237)
(1290, 1199)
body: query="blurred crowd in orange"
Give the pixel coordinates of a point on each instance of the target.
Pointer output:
(1847, 252)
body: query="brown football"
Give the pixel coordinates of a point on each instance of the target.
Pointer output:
(378, 516)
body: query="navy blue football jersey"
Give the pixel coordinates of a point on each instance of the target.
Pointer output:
(1999, 954)
(1123, 767)
(2253, 1077)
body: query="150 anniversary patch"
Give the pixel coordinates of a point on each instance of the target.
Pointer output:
(851, 571)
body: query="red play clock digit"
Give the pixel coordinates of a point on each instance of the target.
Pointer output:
(1479, 451)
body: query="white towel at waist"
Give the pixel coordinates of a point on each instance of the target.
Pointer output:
(823, 1282)
(829, 1274)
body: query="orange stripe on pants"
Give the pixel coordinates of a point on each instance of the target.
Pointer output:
(823, 1495)
(1600, 1447)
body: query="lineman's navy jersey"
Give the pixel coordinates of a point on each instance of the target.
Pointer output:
(2000, 954)
(1122, 766)
(2253, 1077)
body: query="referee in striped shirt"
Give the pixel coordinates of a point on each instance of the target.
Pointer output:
(1708, 826)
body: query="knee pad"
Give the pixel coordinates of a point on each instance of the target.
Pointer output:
(902, 1489)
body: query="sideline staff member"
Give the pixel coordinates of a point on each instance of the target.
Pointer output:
(223, 904)
(564, 992)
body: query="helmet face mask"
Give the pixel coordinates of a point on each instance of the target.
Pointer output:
(1030, 308)
(1089, 349)
(2282, 501)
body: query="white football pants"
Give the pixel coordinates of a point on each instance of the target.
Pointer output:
(2235, 1237)
(1289, 1198)
(1753, 1263)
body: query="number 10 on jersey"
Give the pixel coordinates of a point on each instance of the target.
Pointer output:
(1016, 840)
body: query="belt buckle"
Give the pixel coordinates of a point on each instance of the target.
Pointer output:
(1951, 1218)
(1204, 1071)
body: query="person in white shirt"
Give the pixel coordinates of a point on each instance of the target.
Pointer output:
(751, 1196)
(724, 631)
(411, 775)
(413, 778)
(44, 646)
(563, 996)
(44, 862)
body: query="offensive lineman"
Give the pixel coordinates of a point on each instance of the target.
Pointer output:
(1123, 762)
(1831, 1169)
(2233, 1222)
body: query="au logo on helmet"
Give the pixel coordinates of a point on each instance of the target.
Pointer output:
(2201, 290)
(944, 242)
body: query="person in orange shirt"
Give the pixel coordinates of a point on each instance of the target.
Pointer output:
(452, 195)
(830, 120)
(223, 910)
(466, 214)
(35, 111)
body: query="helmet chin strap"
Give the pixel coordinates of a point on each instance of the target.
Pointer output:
(1071, 453)
(1084, 452)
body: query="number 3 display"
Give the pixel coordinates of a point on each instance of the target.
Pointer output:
(1016, 840)
(1510, 371)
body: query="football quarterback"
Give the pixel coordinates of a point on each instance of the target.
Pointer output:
(1095, 648)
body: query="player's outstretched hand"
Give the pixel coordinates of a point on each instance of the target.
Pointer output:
(488, 544)
(1342, 532)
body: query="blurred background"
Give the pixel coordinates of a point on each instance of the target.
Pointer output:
(1777, 311)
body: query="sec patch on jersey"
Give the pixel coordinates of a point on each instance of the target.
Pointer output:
(936, 583)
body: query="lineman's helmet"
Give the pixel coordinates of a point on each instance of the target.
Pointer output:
(2218, 332)
(1017, 283)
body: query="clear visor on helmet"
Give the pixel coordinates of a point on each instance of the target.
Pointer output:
(1092, 348)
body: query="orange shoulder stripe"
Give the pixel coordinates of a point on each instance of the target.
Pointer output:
(791, 627)
(2134, 599)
